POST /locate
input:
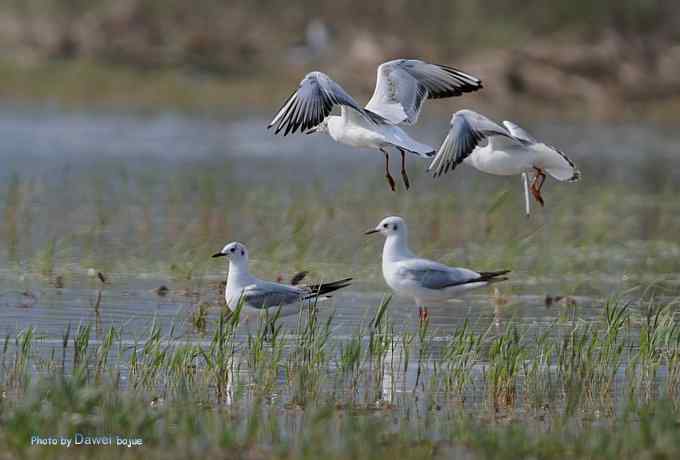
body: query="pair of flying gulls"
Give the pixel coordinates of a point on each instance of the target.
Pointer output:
(425, 281)
(402, 86)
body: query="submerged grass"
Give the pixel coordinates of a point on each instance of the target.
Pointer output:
(605, 389)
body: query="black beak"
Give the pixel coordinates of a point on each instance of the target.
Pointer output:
(219, 254)
(371, 232)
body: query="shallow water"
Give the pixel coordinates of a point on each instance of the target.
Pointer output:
(146, 199)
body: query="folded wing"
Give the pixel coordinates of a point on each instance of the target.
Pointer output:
(265, 295)
(432, 275)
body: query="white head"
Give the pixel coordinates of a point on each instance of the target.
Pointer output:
(390, 226)
(332, 125)
(236, 252)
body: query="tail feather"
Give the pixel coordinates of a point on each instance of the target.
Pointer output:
(492, 276)
(421, 150)
(321, 289)
(403, 141)
(558, 165)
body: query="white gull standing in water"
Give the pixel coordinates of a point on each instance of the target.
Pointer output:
(509, 150)
(401, 88)
(259, 296)
(423, 280)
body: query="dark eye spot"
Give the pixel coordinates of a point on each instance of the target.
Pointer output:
(232, 250)
(385, 225)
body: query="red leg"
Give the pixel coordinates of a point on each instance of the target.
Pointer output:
(537, 184)
(390, 179)
(404, 174)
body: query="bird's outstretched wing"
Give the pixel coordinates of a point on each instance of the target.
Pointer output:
(403, 85)
(312, 102)
(468, 130)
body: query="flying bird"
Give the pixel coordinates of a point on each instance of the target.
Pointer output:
(501, 150)
(401, 88)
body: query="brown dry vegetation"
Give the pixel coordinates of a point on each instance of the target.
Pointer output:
(607, 58)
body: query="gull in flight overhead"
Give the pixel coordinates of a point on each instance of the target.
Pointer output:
(425, 281)
(401, 88)
(509, 150)
(258, 295)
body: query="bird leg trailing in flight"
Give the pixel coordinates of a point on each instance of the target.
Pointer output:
(390, 179)
(537, 184)
(404, 174)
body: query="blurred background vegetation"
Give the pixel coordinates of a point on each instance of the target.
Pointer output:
(606, 59)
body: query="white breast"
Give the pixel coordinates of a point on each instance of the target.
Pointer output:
(505, 160)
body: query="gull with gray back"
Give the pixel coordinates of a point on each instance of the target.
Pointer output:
(402, 86)
(423, 280)
(259, 296)
(504, 150)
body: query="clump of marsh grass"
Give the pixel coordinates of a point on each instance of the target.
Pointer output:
(349, 364)
(307, 362)
(459, 355)
(540, 385)
(220, 357)
(506, 353)
(381, 345)
(102, 353)
(424, 348)
(19, 374)
(658, 345)
(264, 351)
(199, 317)
(588, 358)
(81, 342)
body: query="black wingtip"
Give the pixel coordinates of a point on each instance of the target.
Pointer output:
(576, 176)
(323, 289)
(493, 276)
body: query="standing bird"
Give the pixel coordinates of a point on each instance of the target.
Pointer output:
(401, 88)
(509, 150)
(258, 295)
(423, 280)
